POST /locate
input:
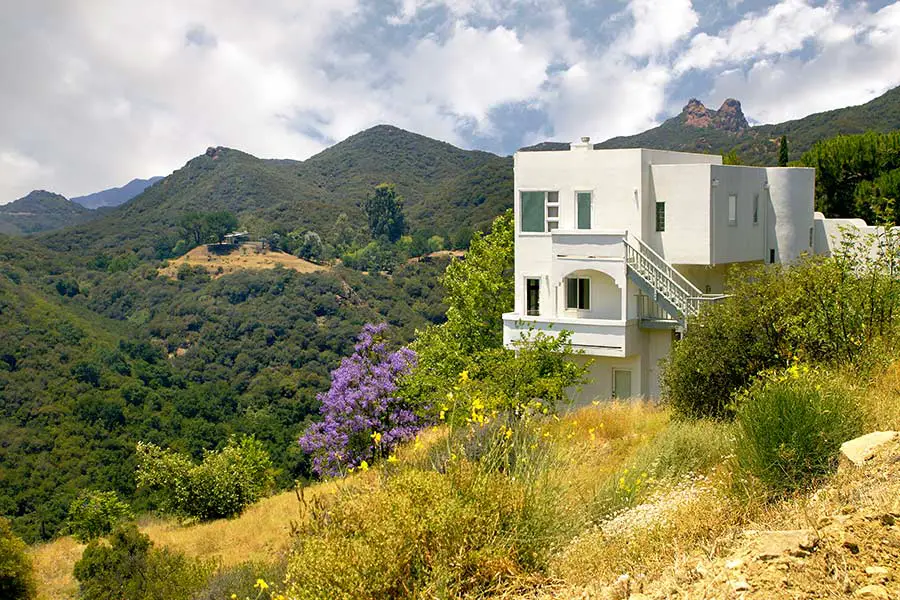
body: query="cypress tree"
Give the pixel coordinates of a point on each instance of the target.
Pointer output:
(783, 152)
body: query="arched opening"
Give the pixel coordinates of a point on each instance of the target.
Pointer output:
(590, 294)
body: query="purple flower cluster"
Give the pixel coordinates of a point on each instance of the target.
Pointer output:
(362, 417)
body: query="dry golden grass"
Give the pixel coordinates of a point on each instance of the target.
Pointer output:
(247, 256)
(53, 563)
(882, 399)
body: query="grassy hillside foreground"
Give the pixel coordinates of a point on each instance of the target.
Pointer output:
(611, 501)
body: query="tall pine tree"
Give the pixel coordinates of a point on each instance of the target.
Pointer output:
(783, 152)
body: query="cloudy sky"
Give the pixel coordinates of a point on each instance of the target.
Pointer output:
(97, 92)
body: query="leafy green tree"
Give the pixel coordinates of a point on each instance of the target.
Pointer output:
(783, 152)
(343, 235)
(94, 514)
(312, 247)
(223, 485)
(192, 226)
(384, 209)
(129, 568)
(732, 158)
(16, 571)
(218, 224)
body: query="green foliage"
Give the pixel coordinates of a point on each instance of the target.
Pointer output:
(783, 154)
(792, 425)
(223, 485)
(201, 228)
(129, 568)
(843, 163)
(16, 572)
(683, 449)
(384, 209)
(731, 158)
(878, 201)
(463, 531)
(94, 514)
(41, 211)
(242, 581)
(827, 310)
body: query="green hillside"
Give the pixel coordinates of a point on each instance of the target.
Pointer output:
(758, 145)
(445, 189)
(41, 211)
(93, 361)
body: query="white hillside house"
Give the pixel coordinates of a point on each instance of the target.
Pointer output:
(620, 246)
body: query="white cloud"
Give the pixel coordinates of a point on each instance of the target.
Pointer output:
(783, 28)
(846, 70)
(659, 25)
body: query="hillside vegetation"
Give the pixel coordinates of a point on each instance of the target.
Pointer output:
(41, 211)
(759, 145)
(445, 190)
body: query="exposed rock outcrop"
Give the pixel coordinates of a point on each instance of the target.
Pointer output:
(729, 117)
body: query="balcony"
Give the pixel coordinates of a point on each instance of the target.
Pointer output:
(596, 337)
(588, 244)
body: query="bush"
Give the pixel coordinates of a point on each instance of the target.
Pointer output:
(223, 485)
(129, 568)
(791, 426)
(94, 514)
(463, 531)
(16, 571)
(243, 581)
(828, 311)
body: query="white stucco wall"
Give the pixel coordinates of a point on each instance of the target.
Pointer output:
(744, 241)
(792, 192)
(685, 190)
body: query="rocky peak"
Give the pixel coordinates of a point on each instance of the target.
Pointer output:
(729, 117)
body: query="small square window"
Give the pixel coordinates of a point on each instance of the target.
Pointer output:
(660, 216)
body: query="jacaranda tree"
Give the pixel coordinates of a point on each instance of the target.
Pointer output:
(362, 416)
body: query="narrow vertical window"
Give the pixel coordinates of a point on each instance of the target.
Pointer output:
(810, 237)
(533, 296)
(552, 211)
(583, 201)
(732, 210)
(532, 211)
(771, 255)
(660, 216)
(756, 209)
(578, 293)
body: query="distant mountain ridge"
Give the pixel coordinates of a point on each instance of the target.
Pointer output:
(445, 189)
(699, 129)
(115, 196)
(41, 211)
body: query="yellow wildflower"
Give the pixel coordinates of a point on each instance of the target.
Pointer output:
(364, 466)
(392, 458)
(376, 437)
(262, 585)
(464, 376)
(509, 433)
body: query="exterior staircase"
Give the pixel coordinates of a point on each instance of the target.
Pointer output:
(659, 280)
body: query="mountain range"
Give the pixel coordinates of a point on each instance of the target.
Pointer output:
(445, 188)
(115, 196)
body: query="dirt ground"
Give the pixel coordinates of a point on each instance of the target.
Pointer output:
(245, 256)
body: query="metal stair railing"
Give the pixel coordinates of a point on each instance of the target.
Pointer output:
(662, 277)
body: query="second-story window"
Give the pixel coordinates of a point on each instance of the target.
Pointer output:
(583, 208)
(578, 293)
(539, 211)
(660, 216)
(732, 209)
(756, 209)
(532, 296)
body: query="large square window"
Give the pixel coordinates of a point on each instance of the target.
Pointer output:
(578, 293)
(532, 211)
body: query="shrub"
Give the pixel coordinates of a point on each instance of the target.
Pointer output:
(223, 485)
(363, 417)
(829, 311)
(16, 571)
(791, 426)
(463, 531)
(94, 514)
(129, 568)
(243, 581)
